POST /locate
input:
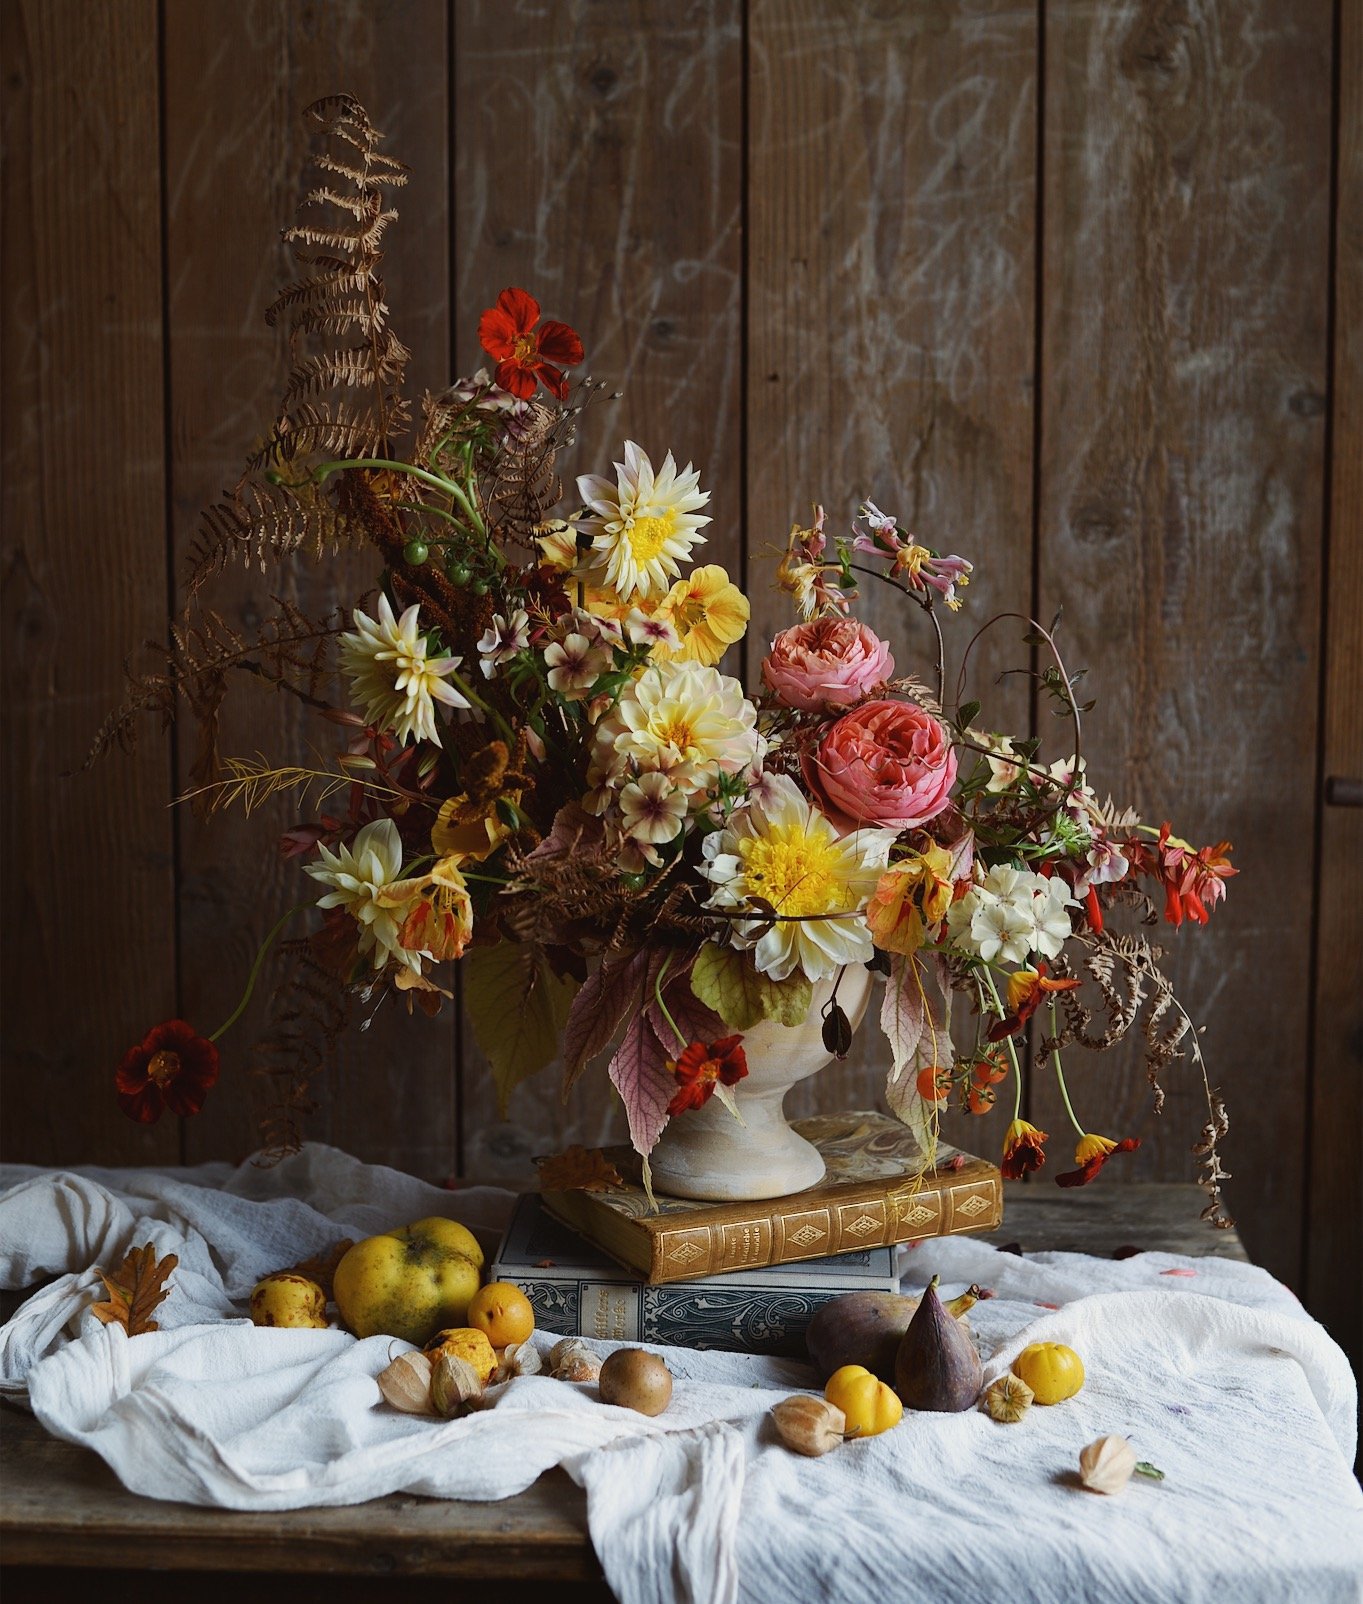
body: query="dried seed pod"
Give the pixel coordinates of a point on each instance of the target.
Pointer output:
(1106, 1465)
(406, 1384)
(1007, 1400)
(573, 1360)
(517, 1359)
(837, 1031)
(455, 1384)
(937, 1366)
(809, 1425)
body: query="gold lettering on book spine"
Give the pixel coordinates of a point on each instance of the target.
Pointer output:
(744, 1244)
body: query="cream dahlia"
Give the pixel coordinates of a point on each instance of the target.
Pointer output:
(684, 720)
(643, 526)
(780, 850)
(358, 874)
(392, 679)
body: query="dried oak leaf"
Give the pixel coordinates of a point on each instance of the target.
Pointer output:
(321, 1267)
(135, 1288)
(580, 1169)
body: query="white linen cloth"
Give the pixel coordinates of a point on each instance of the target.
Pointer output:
(1209, 1366)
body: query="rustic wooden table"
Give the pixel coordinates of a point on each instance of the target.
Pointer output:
(64, 1513)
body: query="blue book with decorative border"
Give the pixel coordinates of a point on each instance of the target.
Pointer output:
(577, 1290)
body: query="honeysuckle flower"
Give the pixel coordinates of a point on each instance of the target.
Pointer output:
(575, 664)
(919, 567)
(783, 854)
(1023, 1150)
(1091, 1153)
(645, 525)
(911, 899)
(681, 719)
(480, 390)
(392, 679)
(436, 908)
(646, 629)
(804, 574)
(653, 809)
(503, 639)
(525, 356)
(172, 1067)
(702, 1067)
(357, 874)
(707, 611)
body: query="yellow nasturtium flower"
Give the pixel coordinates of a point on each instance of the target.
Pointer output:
(911, 899)
(708, 611)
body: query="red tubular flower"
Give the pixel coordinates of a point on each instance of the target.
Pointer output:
(1091, 1154)
(1023, 1150)
(524, 355)
(172, 1068)
(704, 1065)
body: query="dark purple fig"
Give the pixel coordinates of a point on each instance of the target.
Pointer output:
(859, 1328)
(937, 1366)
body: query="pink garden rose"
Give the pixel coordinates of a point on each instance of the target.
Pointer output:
(884, 763)
(828, 662)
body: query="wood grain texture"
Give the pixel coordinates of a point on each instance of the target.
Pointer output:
(598, 163)
(88, 881)
(235, 167)
(892, 205)
(1334, 1286)
(1183, 399)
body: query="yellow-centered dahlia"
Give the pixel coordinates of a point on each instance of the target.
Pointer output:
(643, 526)
(392, 679)
(709, 613)
(684, 720)
(782, 852)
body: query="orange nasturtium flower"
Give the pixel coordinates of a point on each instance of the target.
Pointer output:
(703, 1065)
(526, 356)
(1026, 988)
(1091, 1153)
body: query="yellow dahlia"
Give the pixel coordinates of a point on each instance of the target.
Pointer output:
(392, 679)
(709, 613)
(643, 526)
(684, 720)
(782, 852)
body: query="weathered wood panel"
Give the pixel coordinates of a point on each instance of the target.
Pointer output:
(1183, 399)
(236, 150)
(88, 953)
(599, 165)
(1334, 1216)
(892, 206)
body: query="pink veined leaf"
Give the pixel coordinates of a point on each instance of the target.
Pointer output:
(600, 1008)
(573, 826)
(918, 1029)
(695, 1021)
(639, 1071)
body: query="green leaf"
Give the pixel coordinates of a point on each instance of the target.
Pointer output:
(727, 981)
(518, 1008)
(966, 716)
(1145, 1468)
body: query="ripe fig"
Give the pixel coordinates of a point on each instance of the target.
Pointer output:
(859, 1328)
(937, 1366)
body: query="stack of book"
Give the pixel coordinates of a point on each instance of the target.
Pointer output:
(743, 1276)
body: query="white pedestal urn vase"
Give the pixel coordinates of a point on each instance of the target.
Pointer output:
(706, 1154)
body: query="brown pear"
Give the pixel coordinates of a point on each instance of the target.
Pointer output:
(937, 1366)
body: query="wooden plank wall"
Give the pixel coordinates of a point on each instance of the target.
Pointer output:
(1073, 287)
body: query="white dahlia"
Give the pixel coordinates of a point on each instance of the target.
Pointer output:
(681, 719)
(392, 679)
(357, 874)
(644, 525)
(782, 850)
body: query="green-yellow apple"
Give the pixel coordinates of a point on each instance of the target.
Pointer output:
(411, 1282)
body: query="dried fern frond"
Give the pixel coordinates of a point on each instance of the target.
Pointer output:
(261, 521)
(343, 396)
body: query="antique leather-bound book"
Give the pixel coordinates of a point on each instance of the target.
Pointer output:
(876, 1192)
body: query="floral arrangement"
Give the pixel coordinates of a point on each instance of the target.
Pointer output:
(539, 768)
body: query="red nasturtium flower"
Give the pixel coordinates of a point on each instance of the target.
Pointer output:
(172, 1067)
(1091, 1153)
(1022, 1150)
(525, 355)
(701, 1066)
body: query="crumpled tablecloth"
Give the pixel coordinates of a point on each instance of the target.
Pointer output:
(1209, 1366)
